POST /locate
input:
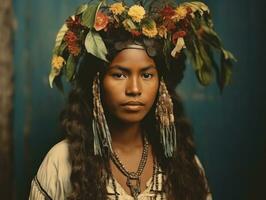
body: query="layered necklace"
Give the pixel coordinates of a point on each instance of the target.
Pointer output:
(133, 178)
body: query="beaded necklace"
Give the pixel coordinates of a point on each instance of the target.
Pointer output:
(133, 178)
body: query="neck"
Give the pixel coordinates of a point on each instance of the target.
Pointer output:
(126, 135)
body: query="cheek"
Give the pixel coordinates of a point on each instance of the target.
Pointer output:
(110, 95)
(151, 91)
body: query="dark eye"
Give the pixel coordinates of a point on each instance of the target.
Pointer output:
(118, 75)
(147, 75)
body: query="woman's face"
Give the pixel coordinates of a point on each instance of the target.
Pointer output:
(130, 85)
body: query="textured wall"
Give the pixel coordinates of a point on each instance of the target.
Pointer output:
(229, 129)
(6, 97)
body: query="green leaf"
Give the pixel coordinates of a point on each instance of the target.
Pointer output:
(95, 45)
(228, 55)
(205, 75)
(88, 15)
(193, 51)
(149, 23)
(198, 61)
(227, 59)
(204, 55)
(59, 38)
(129, 24)
(226, 73)
(70, 67)
(81, 9)
(61, 48)
(197, 6)
(211, 37)
(166, 50)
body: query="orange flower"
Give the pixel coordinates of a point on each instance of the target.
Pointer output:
(101, 21)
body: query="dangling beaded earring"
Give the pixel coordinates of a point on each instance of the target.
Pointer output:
(102, 136)
(165, 117)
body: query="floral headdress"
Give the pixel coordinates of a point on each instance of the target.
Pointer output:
(181, 28)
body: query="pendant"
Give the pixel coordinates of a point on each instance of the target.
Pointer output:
(134, 186)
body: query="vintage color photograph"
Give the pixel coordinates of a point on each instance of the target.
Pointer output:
(132, 100)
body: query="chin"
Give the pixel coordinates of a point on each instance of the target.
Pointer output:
(130, 117)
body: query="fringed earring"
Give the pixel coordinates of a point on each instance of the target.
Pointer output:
(102, 136)
(165, 117)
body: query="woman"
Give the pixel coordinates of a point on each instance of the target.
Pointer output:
(126, 133)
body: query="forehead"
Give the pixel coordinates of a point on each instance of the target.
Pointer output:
(132, 59)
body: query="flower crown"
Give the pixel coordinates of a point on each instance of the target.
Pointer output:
(185, 27)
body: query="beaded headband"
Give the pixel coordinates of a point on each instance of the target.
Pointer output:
(184, 28)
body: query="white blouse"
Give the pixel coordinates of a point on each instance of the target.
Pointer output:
(52, 181)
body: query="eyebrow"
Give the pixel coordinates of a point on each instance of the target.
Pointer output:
(126, 69)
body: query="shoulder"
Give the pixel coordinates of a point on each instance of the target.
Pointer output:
(56, 160)
(58, 153)
(55, 170)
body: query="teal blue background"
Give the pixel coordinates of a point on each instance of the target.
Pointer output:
(229, 129)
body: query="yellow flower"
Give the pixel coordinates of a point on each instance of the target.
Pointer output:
(162, 31)
(136, 12)
(180, 13)
(117, 8)
(150, 31)
(58, 62)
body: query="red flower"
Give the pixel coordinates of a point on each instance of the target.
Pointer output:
(101, 21)
(72, 43)
(70, 37)
(177, 35)
(168, 12)
(169, 24)
(74, 50)
(135, 33)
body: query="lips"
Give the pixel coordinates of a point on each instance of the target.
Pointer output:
(133, 103)
(133, 106)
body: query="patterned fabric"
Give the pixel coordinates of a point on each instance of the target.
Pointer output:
(147, 194)
(52, 181)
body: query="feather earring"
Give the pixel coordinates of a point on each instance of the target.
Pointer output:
(165, 117)
(102, 135)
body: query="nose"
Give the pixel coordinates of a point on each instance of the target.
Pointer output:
(133, 87)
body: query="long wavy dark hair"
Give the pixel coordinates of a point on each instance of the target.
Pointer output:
(184, 178)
